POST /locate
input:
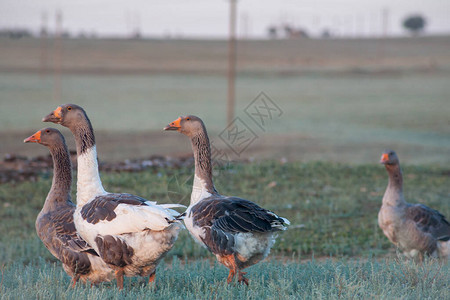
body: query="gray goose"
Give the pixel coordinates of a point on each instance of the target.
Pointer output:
(415, 229)
(237, 231)
(54, 223)
(130, 233)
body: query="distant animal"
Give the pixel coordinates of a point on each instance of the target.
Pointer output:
(237, 231)
(54, 224)
(415, 229)
(130, 233)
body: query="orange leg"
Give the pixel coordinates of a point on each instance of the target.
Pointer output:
(231, 276)
(229, 262)
(151, 278)
(119, 278)
(75, 280)
(241, 278)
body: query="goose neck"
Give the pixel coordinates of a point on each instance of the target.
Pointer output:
(89, 184)
(203, 183)
(62, 177)
(394, 192)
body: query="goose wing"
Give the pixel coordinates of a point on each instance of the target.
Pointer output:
(126, 213)
(224, 217)
(57, 232)
(66, 233)
(430, 221)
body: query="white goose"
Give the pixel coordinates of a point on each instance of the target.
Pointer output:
(130, 233)
(237, 231)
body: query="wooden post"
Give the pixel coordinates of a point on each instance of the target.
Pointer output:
(57, 58)
(231, 62)
(43, 37)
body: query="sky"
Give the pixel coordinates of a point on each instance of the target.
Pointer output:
(209, 18)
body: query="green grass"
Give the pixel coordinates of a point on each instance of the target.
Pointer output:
(332, 207)
(365, 279)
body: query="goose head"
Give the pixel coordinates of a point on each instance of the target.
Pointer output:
(187, 125)
(66, 115)
(47, 137)
(389, 157)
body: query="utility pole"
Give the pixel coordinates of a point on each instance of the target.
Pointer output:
(384, 25)
(43, 35)
(244, 26)
(231, 61)
(385, 22)
(57, 57)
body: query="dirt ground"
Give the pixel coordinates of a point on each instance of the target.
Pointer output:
(191, 56)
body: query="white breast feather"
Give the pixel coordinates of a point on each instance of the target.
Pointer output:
(197, 233)
(199, 191)
(89, 184)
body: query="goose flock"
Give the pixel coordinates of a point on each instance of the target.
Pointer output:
(107, 236)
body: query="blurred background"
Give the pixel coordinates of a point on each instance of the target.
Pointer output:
(299, 80)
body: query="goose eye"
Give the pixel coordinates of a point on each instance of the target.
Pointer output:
(187, 119)
(69, 108)
(48, 131)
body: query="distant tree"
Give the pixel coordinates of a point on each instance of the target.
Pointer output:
(326, 33)
(288, 30)
(15, 33)
(415, 24)
(272, 32)
(43, 33)
(65, 35)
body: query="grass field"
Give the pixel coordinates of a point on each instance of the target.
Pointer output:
(368, 279)
(332, 207)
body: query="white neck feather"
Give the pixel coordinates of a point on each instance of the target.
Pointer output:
(89, 184)
(199, 191)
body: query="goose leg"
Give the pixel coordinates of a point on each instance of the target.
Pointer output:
(229, 262)
(75, 280)
(119, 278)
(231, 276)
(420, 258)
(241, 278)
(151, 278)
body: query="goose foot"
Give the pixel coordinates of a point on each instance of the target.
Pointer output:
(242, 279)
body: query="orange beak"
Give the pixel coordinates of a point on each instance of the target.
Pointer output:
(35, 138)
(175, 125)
(54, 116)
(384, 158)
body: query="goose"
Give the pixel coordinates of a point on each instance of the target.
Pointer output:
(415, 229)
(237, 231)
(54, 223)
(130, 233)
